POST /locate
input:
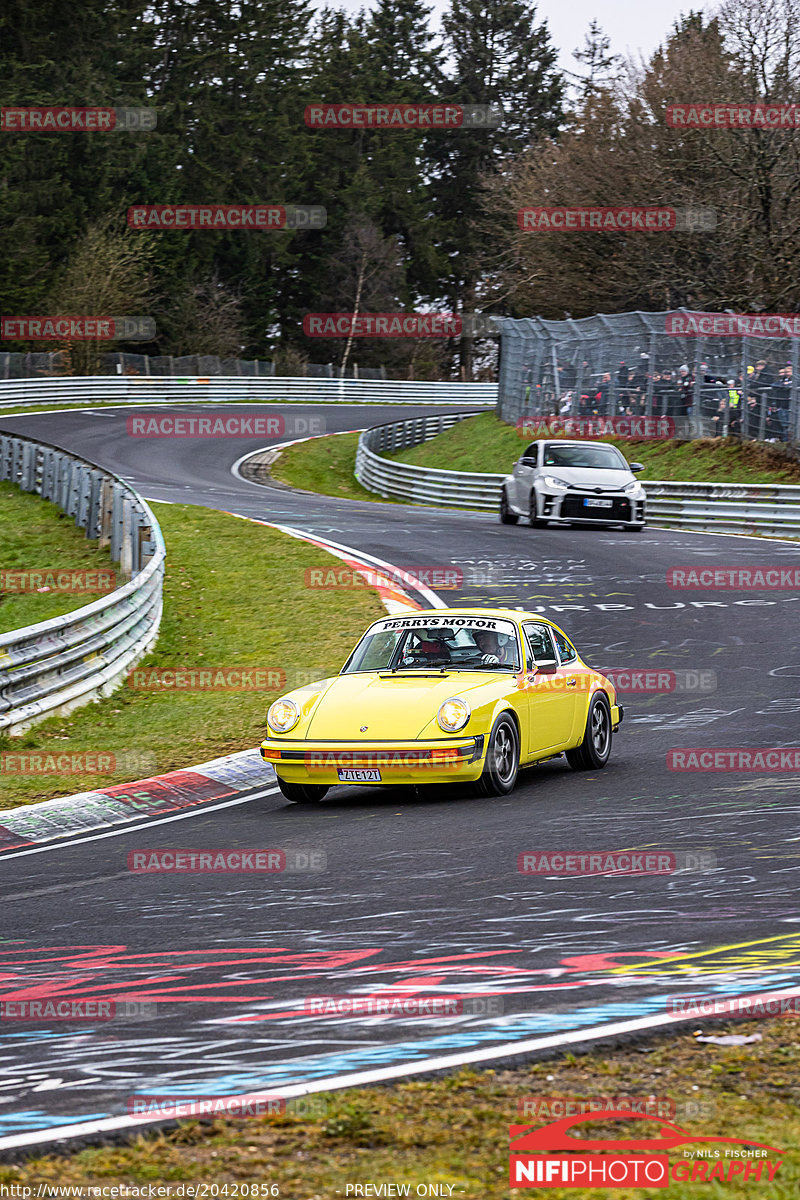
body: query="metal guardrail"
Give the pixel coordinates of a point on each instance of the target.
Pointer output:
(56, 665)
(771, 509)
(165, 389)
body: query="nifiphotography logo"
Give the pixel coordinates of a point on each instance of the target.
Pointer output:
(551, 1156)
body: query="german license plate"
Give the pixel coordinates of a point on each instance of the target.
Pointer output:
(598, 503)
(364, 775)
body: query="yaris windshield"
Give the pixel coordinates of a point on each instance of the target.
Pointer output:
(608, 458)
(417, 643)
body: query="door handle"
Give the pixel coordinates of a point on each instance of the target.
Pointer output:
(572, 681)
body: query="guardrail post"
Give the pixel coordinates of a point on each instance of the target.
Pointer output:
(28, 474)
(117, 516)
(126, 548)
(106, 508)
(95, 494)
(84, 497)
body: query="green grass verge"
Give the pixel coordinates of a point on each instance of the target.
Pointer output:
(454, 1129)
(36, 535)
(234, 596)
(323, 465)
(484, 443)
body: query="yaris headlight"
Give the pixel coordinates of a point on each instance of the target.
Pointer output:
(552, 481)
(634, 488)
(453, 715)
(283, 715)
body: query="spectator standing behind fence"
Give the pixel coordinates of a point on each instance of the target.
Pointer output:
(639, 379)
(685, 391)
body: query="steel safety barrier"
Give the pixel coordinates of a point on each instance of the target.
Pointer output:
(769, 509)
(166, 389)
(56, 665)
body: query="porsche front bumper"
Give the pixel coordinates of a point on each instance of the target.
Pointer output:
(444, 760)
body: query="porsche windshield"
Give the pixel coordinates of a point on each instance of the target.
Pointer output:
(566, 455)
(457, 643)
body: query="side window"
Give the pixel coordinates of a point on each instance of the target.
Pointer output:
(539, 642)
(566, 650)
(532, 452)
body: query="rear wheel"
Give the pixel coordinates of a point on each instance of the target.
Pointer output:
(595, 749)
(507, 517)
(302, 793)
(502, 759)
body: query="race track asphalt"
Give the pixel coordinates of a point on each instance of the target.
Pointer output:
(424, 896)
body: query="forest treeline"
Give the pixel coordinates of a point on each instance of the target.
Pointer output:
(416, 219)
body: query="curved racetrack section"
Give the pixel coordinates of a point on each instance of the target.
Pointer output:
(424, 896)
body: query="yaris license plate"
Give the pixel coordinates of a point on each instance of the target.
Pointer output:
(355, 775)
(598, 503)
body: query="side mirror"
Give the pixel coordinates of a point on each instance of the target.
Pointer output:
(546, 666)
(527, 462)
(636, 467)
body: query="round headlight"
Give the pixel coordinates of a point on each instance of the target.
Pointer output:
(283, 715)
(453, 715)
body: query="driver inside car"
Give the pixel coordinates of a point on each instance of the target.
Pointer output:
(493, 649)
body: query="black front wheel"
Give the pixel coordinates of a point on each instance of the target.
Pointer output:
(502, 759)
(302, 793)
(536, 522)
(507, 517)
(595, 749)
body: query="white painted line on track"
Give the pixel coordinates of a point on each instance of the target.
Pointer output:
(198, 811)
(434, 600)
(378, 1074)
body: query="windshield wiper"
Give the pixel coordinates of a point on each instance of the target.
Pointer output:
(417, 671)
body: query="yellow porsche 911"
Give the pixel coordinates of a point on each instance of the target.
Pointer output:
(444, 696)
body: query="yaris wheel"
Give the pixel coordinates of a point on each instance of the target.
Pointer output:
(507, 517)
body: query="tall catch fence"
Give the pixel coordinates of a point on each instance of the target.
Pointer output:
(628, 365)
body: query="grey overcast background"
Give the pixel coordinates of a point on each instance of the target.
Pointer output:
(635, 27)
